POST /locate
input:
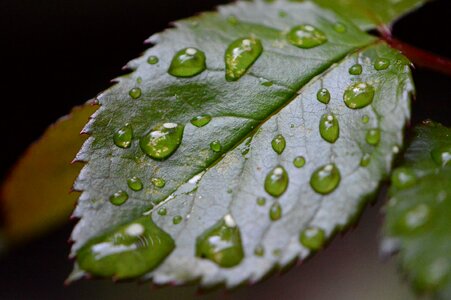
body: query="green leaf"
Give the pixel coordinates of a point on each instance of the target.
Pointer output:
(238, 192)
(418, 214)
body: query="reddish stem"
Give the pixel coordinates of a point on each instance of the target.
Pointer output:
(419, 57)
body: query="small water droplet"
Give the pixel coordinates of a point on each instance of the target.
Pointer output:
(129, 251)
(306, 36)
(123, 137)
(313, 238)
(188, 62)
(261, 201)
(356, 69)
(139, 80)
(329, 128)
(299, 161)
(201, 120)
(325, 179)
(415, 218)
(135, 93)
(275, 211)
(381, 64)
(267, 83)
(277, 252)
(162, 141)
(177, 220)
(442, 155)
(276, 182)
(365, 119)
(240, 56)
(221, 244)
(403, 178)
(232, 20)
(366, 159)
(162, 211)
(358, 95)
(373, 136)
(278, 144)
(216, 146)
(152, 60)
(158, 182)
(119, 198)
(323, 96)
(135, 184)
(259, 250)
(340, 27)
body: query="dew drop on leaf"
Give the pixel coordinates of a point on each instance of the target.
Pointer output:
(135, 93)
(275, 211)
(201, 120)
(373, 136)
(276, 182)
(366, 159)
(261, 201)
(442, 155)
(365, 119)
(216, 146)
(152, 60)
(329, 128)
(325, 179)
(340, 27)
(306, 36)
(188, 62)
(355, 69)
(177, 220)
(135, 184)
(240, 56)
(414, 219)
(119, 198)
(323, 96)
(381, 64)
(313, 238)
(162, 141)
(278, 144)
(123, 137)
(358, 95)
(162, 211)
(259, 251)
(158, 182)
(299, 161)
(403, 178)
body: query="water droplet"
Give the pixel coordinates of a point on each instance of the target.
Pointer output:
(365, 119)
(381, 64)
(201, 120)
(325, 179)
(299, 161)
(442, 155)
(188, 62)
(313, 238)
(358, 95)
(232, 20)
(139, 80)
(177, 220)
(240, 56)
(276, 181)
(403, 178)
(259, 250)
(123, 137)
(119, 198)
(162, 211)
(152, 60)
(261, 201)
(414, 219)
(135, 93)
(278, 144)
(340, 27)
(275, 211)
(162, 141)
(216, 146)
(329, 128)
(158, 182)
(323, 96)
(135, 184)
(221, 244)
(306, 36)
(355, 69)
(366, 159)
(267, 83)
(373, 136)
(129, 251)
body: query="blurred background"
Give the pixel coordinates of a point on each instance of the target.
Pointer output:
(57, 54)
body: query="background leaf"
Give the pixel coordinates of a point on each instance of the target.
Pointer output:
(418, 214)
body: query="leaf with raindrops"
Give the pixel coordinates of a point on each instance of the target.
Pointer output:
(242, 141)
(418, 214)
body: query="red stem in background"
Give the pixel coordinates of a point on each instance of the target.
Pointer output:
(419, 57)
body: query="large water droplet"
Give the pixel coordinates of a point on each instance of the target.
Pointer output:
(123, 137)
(158, 182)
(299, 161)
(152, 60)
(201, 120)
(162, 141)
(325, 179)
(442, 155)
(355, 69)
(381, 64)
(240, 56)
(188, 62)
(278, 144)
(127, 252)
(275, 211)
(306, 36)
(313, 238)
(323, 96)
(119, 198)
(403, 178)
(358, 95)
(135, 184)
(329, 128)
(135, 93)
(221, 243)
(276, 182)
(216, 146)
(373, 136)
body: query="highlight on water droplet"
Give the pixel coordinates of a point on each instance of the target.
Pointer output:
(373, 136)
(323, 96)
(216, 146)
(152, 60)
(275, 211)
(306, 36)
(135, 184)
(240, 56)
(119, 198)
(325, 179)
(358, 95)
(162, 211)
(442, 155)
(135, 93)
(129, 251)
(403, 178)
(158, 182)
(356, 69)
(313, 238)
(278, 144)
(162, 141)
(188, 62)
(261, 201)
(381, 64)
(414, 219)
(177, 220)
(123, 137)
(201, 120)
(221, 243)
(329, 128)
(299, 161)
(340, 27)
(366, 159)
(276, 182)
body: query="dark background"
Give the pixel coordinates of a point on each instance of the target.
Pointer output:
(56, 54)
